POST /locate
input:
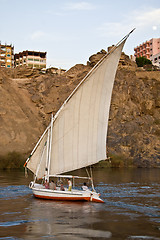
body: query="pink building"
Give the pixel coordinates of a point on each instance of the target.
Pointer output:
(148, 49)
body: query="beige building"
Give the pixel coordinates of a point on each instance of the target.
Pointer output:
(31, 58)
(6, 56)
(55, 70)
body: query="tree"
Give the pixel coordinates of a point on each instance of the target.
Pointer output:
(141, 61)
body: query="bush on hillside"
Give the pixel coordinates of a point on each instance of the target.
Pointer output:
(141, 61)
(11, 160)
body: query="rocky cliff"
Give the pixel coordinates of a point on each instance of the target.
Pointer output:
(27, 97)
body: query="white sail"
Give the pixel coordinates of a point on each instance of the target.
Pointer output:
(39, 157)
(80, 128)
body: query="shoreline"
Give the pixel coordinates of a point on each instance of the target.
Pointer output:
(15, 160)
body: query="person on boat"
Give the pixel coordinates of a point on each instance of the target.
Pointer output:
(69, 184)
(84, 187)
(46, 184)
(62, 187)
(52, 185)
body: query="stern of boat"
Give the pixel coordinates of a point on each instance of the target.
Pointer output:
(31, 185)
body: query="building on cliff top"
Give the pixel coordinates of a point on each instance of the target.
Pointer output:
(54, 70)
(6, 56)
(149, 49)
(31, 59)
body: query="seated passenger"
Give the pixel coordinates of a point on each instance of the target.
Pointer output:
(52, 185)
(62, 187)
(84, 187)
(46, 184)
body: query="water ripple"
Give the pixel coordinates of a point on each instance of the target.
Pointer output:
(14, 192)
(132, 197)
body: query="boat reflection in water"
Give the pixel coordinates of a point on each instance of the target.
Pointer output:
(64, 220)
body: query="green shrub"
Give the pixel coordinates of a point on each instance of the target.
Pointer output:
(103, 164)
(141, 61)
(11, 160)
(119, 161)
(115, 161)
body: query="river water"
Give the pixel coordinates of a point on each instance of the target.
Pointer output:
(131, 210)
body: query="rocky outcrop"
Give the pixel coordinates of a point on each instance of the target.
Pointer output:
(27, 97)
(134, 128)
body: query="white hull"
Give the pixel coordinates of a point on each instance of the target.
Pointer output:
(40, 191)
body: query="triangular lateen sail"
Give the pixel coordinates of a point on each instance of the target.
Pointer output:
(80, 128)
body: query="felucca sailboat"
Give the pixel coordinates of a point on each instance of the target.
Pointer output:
(76, 136)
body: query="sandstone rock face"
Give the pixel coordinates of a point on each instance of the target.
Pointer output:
(27, 98)
(134, 126)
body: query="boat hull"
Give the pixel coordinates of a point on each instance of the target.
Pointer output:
(75, 195)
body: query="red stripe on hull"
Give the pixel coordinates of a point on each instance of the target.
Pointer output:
(63, 198)
(97, 200)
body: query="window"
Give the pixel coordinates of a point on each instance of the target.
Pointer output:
(8, 55)
(8, 66)
(36, 66)
(43, 66)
